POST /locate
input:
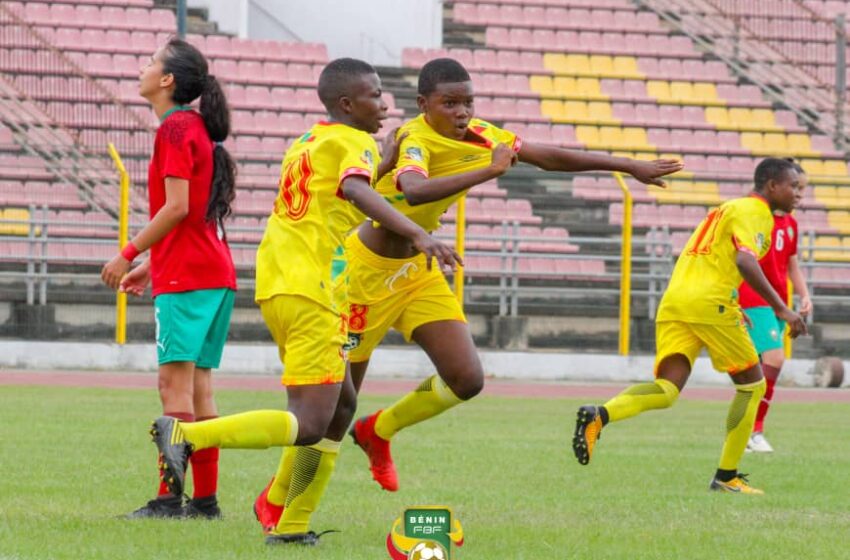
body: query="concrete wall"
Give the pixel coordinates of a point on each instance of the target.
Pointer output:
(374, 30)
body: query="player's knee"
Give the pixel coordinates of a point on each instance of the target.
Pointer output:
(670, 391)
(468, 384)
(309, 433)
(170, 390)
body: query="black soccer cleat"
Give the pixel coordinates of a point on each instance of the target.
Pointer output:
(161, 508)
(587, 433)
(174, 451)
(310, 538)
(202, 508)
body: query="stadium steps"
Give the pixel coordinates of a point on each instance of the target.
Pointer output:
(197, 18)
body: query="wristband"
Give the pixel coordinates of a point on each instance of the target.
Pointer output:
(130, 252)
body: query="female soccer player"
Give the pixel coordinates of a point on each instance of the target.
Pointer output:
(191, 184)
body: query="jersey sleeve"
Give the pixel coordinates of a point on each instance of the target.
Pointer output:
(177, 153)
(413, 155)
(358, 157)
(502, 136)
(750, 230)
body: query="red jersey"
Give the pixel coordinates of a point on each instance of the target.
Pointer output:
(194, 255)
(775, 263)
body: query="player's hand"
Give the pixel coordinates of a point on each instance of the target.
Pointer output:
(502, 158)
(390, 148)
(135, 281)
(650, 172)
(446, 257)
(805, 306)
(796, 323)
(114, 271)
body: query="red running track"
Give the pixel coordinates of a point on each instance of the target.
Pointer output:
(493, 387)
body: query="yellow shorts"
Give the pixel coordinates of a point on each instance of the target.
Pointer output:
(729, 346)
(398, 293)
(309, 337)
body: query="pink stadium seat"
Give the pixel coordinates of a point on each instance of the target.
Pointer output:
(485, 60)
(163, 20)
(498, 37)
(648, 114)
(300, 74)
(465, 13)
(628, 113)
(252, 71)
(218, 46)
(544, 39)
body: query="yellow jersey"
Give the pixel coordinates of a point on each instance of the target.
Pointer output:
(431, 154)
(311, 218)
(704, 285)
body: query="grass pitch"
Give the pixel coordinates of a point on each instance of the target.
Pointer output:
(74, 459)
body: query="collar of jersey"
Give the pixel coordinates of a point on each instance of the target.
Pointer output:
(485, 143)
(760, 197)
(174, 110)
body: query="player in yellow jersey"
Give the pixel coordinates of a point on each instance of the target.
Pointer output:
(700, 310)
(325, 184)
(444, 153)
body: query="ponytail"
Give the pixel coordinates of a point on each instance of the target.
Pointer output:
(192, 80)
(216, 116)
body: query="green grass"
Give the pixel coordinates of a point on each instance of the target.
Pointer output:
(73, 459)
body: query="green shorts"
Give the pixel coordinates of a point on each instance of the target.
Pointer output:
(192, 326)
(767, 331)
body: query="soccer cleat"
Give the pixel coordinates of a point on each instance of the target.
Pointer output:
(202, 508)
(310, 538)
(160, 508)
(378, 451)
(174, 451)
(758, 444)
(267, 513)
(738, 485)
(588, 431)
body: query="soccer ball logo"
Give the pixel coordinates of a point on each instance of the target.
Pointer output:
(428, 550)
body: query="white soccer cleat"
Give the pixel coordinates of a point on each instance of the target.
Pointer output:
(758, 444)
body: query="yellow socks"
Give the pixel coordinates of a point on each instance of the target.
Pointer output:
(312, 468)
(431, 398)
(640, 398)
(258, 429)
(739, 422)
(280, 487)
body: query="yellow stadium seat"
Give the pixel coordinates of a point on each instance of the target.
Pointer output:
(752, 141)
(682, 92)
(576, 111)
(812, 166)
(589, 88)
(825, 248)
(834, 168)
(648, 156)
(541, 85)
(556, 62)
(635, 138)
(800, 144)
(828, 196)
(601, 65)
(764, 119)
(739, 118)
(588, 135)
(840, 220)
(564, 87)
(612, 137)
(553, 108)
(14, 214)
(658, 89)
(705, 93)
(577, 65)
(626, 67)
(775, 143)
(719, 117)
(599, 112)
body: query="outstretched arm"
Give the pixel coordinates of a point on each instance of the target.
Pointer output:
(419, 189)
(553, 158)
(749, 267)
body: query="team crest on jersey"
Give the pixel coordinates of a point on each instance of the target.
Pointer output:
(353, 342)
(761, 242)
(413, 153)
(790, 232)
(368, 158)
(470, 157)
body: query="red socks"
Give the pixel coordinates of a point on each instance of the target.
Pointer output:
(185, 417)
(771, 374)
(204, 469)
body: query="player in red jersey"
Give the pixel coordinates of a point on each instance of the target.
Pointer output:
(765, 328)
(191, 182)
